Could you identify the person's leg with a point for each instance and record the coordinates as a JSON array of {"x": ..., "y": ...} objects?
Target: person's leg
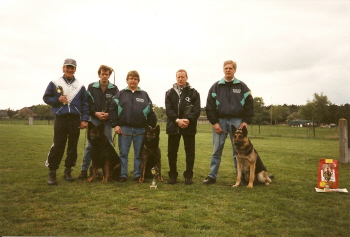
[
  {"x": 73, "y": 138},
  {"x": 173, "y": 148},
  {"x": 189, "y": 143},
  {"x": 137, "y": 141},
  {"x": 218, "y": 146},
  {"x": 124, "y": 143},
  {"x": 236, "y": 122}
]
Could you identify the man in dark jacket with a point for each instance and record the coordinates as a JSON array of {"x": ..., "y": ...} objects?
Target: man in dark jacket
[
  {"x": 100, "y": 96},
  {"x": 182, "y": 104},
  {"x": 69, "y": 103},
  {"x": 131, "y": 111},
  {"x": 229, "y": 103}
]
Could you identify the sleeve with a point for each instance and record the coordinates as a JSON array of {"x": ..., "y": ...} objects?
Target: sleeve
[
  {"x": 91, "y": 101},
  {"x": 210, "y": 108},
  {"x": 196, "y": 109},
  {"x": 113, "y": 111},
  {"x": 151, "y": 117},
  {"x": 50, "y": 96},
  {"x": 248, "y": 110},
  {"x": 170, "y": 108},
  {"x": 85, "y": 105}
]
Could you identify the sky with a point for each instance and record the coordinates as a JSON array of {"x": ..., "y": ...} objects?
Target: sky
[{"x": 286, "y": 51}]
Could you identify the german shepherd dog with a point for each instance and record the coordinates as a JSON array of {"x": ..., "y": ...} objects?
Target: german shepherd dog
[
  {"x": 248, "y": 160},
  {"x": 102, "y": 153},
  {"x": 150, "y": 154}
]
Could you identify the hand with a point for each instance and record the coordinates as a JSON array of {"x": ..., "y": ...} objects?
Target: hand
[
  {"x": 217, "y": 128},
  {"x": 183, "y": 123},
  {"x": 118, "y": 130},
  {"x": 63, "y": 99},
  {"x": 242, "y": 125},
  {"x": 101, "y": 115},
  {"x": 83, "y": 125}
]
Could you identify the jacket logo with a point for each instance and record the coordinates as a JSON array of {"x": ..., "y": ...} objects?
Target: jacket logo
[
  {"x": 236, "y": 90},
  {"x": 188, "y": 99},
  {"x": 140, "y": 100}
]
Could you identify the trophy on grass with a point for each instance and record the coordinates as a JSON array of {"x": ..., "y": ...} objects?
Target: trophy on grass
[
  {"x": 155, "y": 172},
  {"x": 327, "y": 175},
  {"x": 59, "y": 89}
]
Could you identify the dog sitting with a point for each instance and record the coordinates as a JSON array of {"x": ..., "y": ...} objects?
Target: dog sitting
[
  {"x": 150, "y": 154},
  {"x": 102, "y": 154},
  {"x": 248, "y": 160}
]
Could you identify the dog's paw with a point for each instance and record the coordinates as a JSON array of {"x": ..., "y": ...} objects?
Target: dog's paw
[
  {"x": 235, "y": 185},
  {"x": 267, "y": 183},
  {"x": 250, "y": 186},
  {"x": 160, "y": 179}
]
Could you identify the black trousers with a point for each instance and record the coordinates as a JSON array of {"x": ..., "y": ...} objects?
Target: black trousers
[
  {"x": 173, "y": 147},
  {"x": 66, "y": 127}
]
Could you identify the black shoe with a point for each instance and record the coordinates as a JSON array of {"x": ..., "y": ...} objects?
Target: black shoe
[
  {"x": 188, "y": 181},
  {"x": 67, "y": 175},
  {"x": 137, "y": 179},
  {"x": 209, "y": 180},
  {"x": 122, "y": 180},
  {"x": 172, "y": 181},
  {"x": 52, "y": 178},
  {"x": 83, "y": 174},
  {"x": 272, "y": 176}
]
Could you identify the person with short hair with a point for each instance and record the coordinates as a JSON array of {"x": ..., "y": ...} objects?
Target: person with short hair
[
  {"x": 131, "y": 111},
  {"x": 100, "y": 96},
  {"x": 229, "y": 102},
  {"x": 69, "y": 102},
  {"x": 182, "y": 106}
]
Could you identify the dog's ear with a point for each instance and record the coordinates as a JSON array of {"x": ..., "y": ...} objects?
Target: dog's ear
[
  {"x": 90, "y": 125},
  {"x": 157, "y": 129},
  {"x": 233, "y": 128},
  {"x": 101, "y": 127},
  {"x": 245, "y": 131}
]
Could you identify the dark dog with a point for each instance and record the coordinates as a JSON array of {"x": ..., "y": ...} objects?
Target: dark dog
[
  {"x": 102, "y": 154},
  {"x": 248, "y": 160},
  {"x": 150, "y": 154}
]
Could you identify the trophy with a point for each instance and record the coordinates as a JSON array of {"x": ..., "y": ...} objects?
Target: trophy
[
  {"x": 59, "y": 89},
  {"x": 155, "y": 172},
  {"x": 327, "y": 175}
]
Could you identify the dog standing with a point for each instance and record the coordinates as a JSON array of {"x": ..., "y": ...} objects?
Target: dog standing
[
  {"x": 150, "y": 154},
  {"x": 248, "y": 160},
  {"x": 102, "y": 153}
]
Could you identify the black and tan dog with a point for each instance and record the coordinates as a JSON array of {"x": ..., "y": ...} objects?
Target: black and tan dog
[
  {"x": 249, "y": 162},
  {"x": 150, "y": 154},
  {"x": 102, "y": 154}
]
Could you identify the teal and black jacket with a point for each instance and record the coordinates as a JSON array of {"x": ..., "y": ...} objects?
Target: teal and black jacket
[
  {"x": 99, "y": 101},
  {"x": 230, "y": 100},
  {"x": 132, "y": 109}
]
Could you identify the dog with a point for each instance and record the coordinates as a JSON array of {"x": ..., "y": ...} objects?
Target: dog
[
  {"x": 248, "y": 160},
  {"x": 150, "y": 154},
  {"x": 103, "y": 154}
]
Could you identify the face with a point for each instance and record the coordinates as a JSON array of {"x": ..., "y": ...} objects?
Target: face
[
  {"x": 181, "y": 79},
  {"x": 133, "y": 82},
  {"x": 229, "y": 71},
  {"x": 104, "y": 76},
  {"x": 69, "y": 71}
]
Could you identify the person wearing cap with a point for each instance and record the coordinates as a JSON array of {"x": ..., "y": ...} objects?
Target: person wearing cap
[
  {"x": 100, "y": 96},
  {"x": 69, "y": 102},
  {"x": 229, "y": 102},
  {"x": 182, "y": 105},
  {"x": 131, "y": 111}
]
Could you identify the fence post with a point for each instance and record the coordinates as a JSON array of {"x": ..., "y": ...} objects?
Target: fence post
[{"x": 343, "y": 142}]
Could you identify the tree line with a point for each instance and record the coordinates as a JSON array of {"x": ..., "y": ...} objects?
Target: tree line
[{"x": 319, "y": 110}]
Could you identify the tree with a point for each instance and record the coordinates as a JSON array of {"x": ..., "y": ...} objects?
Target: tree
[
  {"x": 260, "y": 113},
  {"x": 43, "y": 111},
  {"x": 25, "y": 113},
  {"x": 160, "y": 112},
  {"x": 10, "y": 113}
]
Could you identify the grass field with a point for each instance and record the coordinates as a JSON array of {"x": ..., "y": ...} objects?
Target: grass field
[{"x": 288, "y": 207}]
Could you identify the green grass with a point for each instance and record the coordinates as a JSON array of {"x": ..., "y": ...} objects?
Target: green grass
[{"x": 288, "y": 207}]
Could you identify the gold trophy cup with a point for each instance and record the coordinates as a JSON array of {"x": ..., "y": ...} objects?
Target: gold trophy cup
[
  {"x": 327, "y": 175},
  {"x": 59, "y": 89},
  {"x": 155, "y": 172}
]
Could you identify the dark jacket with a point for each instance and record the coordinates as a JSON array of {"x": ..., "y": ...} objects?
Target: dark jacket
[
  {"x": 132, "y": 109},
  {"x": 187, "y": 105},
  {"x": 230, "y": 100},
  {"x": 76, "y": 95},
  {"x": 99, "y": 101}
]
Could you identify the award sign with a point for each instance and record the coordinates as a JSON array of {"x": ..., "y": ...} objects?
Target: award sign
[{"x": 155, "y": 172}]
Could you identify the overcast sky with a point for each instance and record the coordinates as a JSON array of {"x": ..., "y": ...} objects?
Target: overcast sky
[{"x": 285, "y": 50}]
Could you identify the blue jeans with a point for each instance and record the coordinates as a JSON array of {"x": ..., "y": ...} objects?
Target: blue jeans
[
  {"x": 124, "y": 142},
  {"x": 219, "y": 142},
  {"x": 108, "y": 133}
]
